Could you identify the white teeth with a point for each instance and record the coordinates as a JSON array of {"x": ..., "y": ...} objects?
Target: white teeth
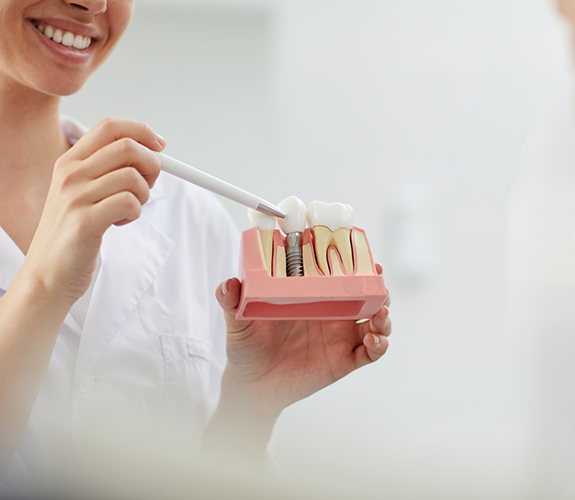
[
  {"x": 294, "y": 221},
  {"x": 262, "y": 221},
  {"x": 78, "y": 42},
  {"x": 331, "y": 226},
  {"x": 332, "y": 215},
  {"x": 68, "y": 39},
  {"x": 57, "y": 36}
]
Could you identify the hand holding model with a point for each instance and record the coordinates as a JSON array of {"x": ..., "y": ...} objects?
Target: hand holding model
[{"x": 272, "y": 364}]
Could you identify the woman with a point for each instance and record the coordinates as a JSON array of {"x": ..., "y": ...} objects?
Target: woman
[{"x": 111, "y": 331}]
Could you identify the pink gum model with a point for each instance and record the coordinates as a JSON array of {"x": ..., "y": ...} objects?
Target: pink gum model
[{"x": 355, "y": 296}]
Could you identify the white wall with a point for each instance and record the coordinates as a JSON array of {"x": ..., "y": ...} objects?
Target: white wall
[{"x": 352, "y": 101}]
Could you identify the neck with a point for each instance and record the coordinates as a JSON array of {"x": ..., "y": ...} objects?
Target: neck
[{"x": 30, "y": 138}]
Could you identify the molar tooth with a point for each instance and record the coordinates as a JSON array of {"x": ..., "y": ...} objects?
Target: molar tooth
[
  {"x": 78, "y": 42},
  {"x": 88, "y": 42},
  {"x": 266, "y": 224},
  {"x": 331, "y": 226},
  {"x": 49, "y": 31},
  {"x": 40, "y": 28},
  {"x": 57, "y": 36},
  {"x": 68, "y": 39}
]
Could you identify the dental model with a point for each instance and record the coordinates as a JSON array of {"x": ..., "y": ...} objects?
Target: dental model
[
  {"x": 331, "y": 226},
  {"x": 266, "y": 225},
  {"x": 339, "y": 281},
  {"x": 293, "y": 225}
]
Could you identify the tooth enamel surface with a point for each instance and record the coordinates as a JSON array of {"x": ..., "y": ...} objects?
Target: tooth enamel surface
[
  {"x": 331, "y": 226},
  {"x": 330, "y": 215},
  {"x": 262, "y": 221},
  {"x": 78, "y": 42},
  {"x": 294, "y": 221},
  {"x": 67, "y": 39}
]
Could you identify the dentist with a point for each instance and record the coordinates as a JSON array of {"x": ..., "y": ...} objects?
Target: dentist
[{"x": 109, "y": 330}]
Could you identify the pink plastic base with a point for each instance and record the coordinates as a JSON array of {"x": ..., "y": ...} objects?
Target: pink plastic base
[{"x": 308, "y": 297}]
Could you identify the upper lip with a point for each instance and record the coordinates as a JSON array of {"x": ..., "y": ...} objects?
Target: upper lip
[{"x": 68, "y": 25}]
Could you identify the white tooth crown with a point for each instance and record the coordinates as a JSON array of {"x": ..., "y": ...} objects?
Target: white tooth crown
[
  {"x": 68, "y": 39},
  {"x": 331, "y": 215},
  {"x": 294, "y": 221},
  {"x": 262, "y": 221}
]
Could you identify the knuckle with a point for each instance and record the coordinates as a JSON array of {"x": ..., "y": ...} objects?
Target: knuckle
[
  {"x": 107, "y": 123},
  {"x": 130, "y": 176},
  {"x": 126, "y": 145},
  {"x": 130, "y": 203}
]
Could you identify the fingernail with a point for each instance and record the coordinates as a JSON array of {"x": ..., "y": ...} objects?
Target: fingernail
[
  {"x": 225, "y": 288},
  {"x": 386, "y": 309},
  {"x": 376, "y": 339},
  {"x": 161, "y": 140}
]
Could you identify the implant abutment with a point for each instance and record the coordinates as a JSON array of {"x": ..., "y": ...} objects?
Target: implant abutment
[{"x": 294, "y": 256}]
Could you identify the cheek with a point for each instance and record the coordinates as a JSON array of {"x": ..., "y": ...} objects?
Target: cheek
[{"x": 119, "y": 16}]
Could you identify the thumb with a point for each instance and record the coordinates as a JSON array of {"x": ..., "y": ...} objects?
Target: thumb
[{"x": 228, "y": 295}]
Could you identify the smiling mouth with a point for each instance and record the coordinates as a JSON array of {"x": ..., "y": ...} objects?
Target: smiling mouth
[{"x": 66, "y": 38}]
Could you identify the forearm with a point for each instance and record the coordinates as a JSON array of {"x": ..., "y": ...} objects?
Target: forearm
[
  {"x": 237, "y": 433},
  {"x": 30, "y": 319}
]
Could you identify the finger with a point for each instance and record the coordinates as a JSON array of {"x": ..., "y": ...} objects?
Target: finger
[
  {"x": 119, "y": 208},
  {"x": 228, "y": 295},
  {"x": 123, "y": 179},
  {"x": 373, "y": 347},
  {"x": 378, "y": 268},
  {"x": 111, "y": 130},
  {"x": 379, "y": 324},
  {"x": 123, "y": 153}
]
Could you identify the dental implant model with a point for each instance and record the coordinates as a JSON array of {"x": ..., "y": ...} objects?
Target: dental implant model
[
  {"x": 293, "y": 225},
  {"x": 332, "y": 258}
]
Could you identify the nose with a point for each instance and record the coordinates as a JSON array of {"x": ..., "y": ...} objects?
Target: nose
[{"x": 93, "y": 7}]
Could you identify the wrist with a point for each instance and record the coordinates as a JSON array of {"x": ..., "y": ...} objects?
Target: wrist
[{"x": 33, "y": 290}]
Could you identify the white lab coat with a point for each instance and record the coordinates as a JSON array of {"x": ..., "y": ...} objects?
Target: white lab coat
[{"x": 147, "y": 366}]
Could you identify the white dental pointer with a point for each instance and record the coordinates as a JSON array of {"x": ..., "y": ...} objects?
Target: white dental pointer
[{"x": 223, "y": 188}]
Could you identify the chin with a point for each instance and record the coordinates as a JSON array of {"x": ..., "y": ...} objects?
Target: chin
[{"x": 60, "y": 88}]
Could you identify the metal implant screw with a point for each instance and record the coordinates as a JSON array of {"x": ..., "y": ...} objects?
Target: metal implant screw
[{"x": 294, "y": 257}]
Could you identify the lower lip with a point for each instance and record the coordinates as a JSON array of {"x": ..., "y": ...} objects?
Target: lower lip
[{"x": 68, "y": 54}]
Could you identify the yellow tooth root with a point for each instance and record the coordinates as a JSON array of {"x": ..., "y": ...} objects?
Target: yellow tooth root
[
  {"x": 323, "y": 238},
  {"x": 342, "y": 239},
  {"x": 321, "y": 242},
  {"x": 267, "y": 240}
]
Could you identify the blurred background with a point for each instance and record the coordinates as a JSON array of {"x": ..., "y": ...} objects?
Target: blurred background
[{"x": 417, "y": 113}]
